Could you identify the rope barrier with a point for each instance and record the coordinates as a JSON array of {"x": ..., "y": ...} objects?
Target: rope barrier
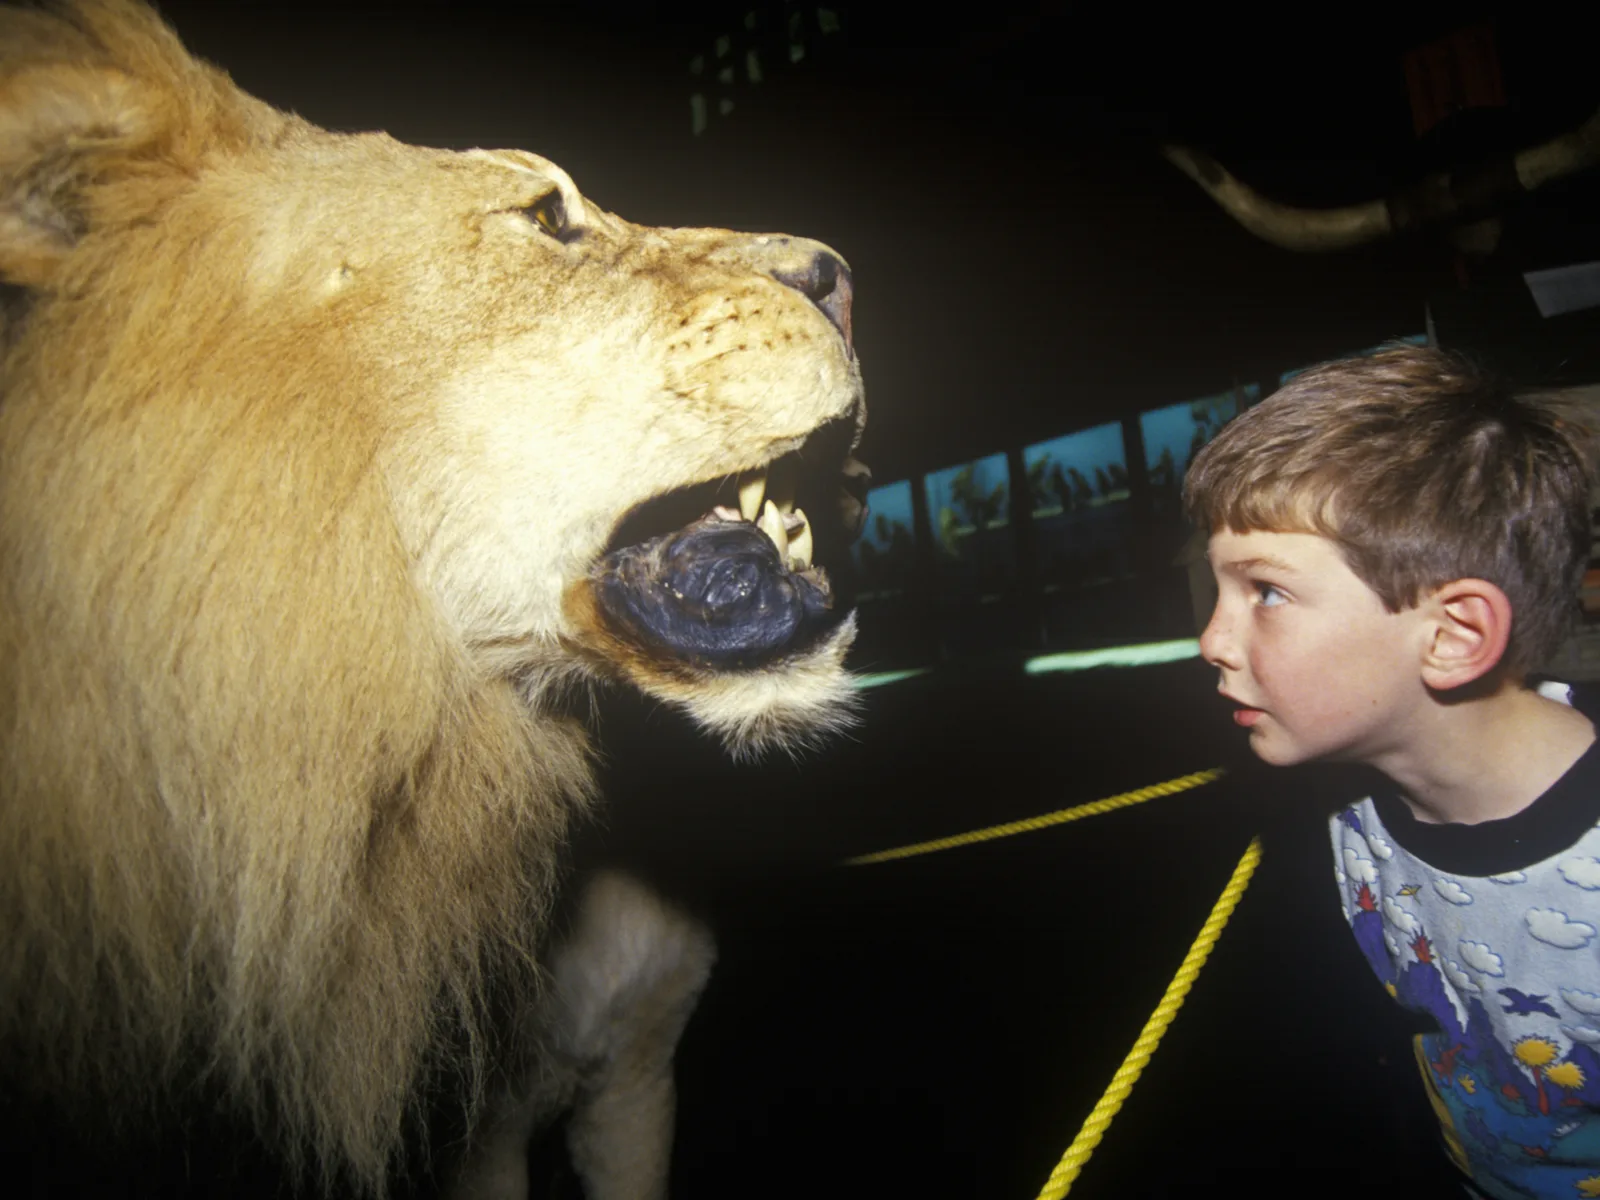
[
  {"x": 1072, "y": 1162},
  {"x": 1122, "y": 1082},
  {"x": 1182, "y": 784}
]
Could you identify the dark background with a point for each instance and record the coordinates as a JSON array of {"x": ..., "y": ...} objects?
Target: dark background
[
  {"x": 1025, "y": 262},
  {"x": 1025, "y": 265}
]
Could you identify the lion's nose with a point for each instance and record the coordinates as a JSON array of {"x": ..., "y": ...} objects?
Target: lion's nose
[{"x": 825, "y": 281}]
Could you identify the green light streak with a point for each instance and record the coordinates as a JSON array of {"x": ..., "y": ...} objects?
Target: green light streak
[
  {"x": 1143, "y": 655},
  {"x": 1115, "y": 656},
  {"x": 878, "y": 679}
]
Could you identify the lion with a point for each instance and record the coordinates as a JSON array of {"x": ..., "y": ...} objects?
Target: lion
[{"x": 334, "y": 473}]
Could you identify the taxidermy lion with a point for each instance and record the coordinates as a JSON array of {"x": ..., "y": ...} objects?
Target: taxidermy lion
[{"x": 330, "y": 469}]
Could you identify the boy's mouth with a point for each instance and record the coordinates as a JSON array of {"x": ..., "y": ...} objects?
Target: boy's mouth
[{"x": 1243, "y": 714}]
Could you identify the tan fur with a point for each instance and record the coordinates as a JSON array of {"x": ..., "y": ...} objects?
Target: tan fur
[
  {"x": 625, "y": 978},
  {"x": 306, "y": 443}
]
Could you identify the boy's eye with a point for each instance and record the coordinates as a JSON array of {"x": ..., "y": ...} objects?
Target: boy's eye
[{"x": 1269, "y": 596}]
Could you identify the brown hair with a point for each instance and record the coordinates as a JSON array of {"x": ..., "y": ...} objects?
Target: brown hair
[{"x": 1422, "y": 469}]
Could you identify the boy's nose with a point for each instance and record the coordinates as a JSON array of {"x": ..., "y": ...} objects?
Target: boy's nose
[{"x": 1217, "y": 645}]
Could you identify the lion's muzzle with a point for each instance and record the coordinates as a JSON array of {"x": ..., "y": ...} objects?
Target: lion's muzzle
[{"x": 826, "y": 282}]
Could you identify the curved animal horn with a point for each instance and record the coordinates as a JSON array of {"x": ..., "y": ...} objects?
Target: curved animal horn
[{"x": 1467, "y": 194}]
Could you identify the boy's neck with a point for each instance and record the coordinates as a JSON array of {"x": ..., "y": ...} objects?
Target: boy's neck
[{"x": 1489, "y": 757}]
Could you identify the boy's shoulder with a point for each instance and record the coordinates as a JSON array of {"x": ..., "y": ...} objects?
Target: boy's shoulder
[
  {"x": 1566, "y": 813},
  {"x": 1581, "y": 695}
]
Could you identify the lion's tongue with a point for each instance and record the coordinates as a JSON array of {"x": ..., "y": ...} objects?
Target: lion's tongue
[{"x": 718, "y": 592}]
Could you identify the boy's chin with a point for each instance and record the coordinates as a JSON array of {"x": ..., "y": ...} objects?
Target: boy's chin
[{"x": 1276, "y": 751}]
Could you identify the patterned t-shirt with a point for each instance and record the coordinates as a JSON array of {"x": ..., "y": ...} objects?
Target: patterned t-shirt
[{"x": 1493, "y": 930}]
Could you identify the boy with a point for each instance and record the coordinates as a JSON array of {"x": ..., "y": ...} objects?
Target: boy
[{"x": 1397, "y": 542}]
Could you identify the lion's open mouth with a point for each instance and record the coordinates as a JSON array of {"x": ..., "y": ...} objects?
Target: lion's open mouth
[{"x": 734, "y": 582}]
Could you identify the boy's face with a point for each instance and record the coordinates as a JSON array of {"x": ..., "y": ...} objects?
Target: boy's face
[{"x": 1316, "y": 665}]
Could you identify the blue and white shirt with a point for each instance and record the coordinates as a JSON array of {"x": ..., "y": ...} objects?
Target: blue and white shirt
[{"x": 1493, "y": 931}]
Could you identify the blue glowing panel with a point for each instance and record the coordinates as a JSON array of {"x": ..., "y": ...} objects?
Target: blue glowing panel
[
  {"x": 1080, "y": 470},
  {"x": 969, "y": 508},
  {"x": 973, "y": 496},
  {"x": 885, "y": 553},
  {"x": 1081, "y": 522},
  {"x": 1416, "y": 339},
  {"x": 1173, "y": 436}
]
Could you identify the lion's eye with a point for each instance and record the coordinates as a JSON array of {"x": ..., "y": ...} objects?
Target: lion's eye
[{"x": 550, "y": 212}]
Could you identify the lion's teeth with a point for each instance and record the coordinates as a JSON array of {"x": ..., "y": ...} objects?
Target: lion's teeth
[
  {"x": 771, "y": 524},
  {"x": 800, "y": 543},
  {"x": 751, "y": 493},
  {"x": 723, "y": 512},
  {"x": 780, "y": 485}
]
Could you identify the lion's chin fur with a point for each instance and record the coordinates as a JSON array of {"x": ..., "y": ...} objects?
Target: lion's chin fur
[
  {"x": 792, "y": 710},
  {"x": 793, "y": 704}
]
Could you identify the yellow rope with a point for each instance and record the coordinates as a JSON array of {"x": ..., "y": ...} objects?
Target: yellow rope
[
  {"x": 1122, "y": 1082},
  {"x": 1133, "y": 1065},
  {"x": 1181, "y": 784}
]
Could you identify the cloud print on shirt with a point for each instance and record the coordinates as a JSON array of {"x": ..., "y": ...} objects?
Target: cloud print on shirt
[
  {"x": 1459, "y": 979},
  {"x": 1394, "y": 915},
  {"x": 1451, "y": 891},
  {"x": 1581, "y": 872},
  {"x": 1585, "y": 1002},
  {"x": 1482, "y": 959},
  {"x": 1358, "y": 869},
  {"x": 1554, "y": 928}
]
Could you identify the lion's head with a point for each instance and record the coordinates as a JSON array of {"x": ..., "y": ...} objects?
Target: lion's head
[
  {"x": 583, "y": 405},
  {"x": 325, "y": 461}
]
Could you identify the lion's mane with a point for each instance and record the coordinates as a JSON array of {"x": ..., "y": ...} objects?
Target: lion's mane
[{"x": 296, "y": 888}]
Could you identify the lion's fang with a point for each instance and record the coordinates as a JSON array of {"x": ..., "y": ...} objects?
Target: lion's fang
[
  {"x": 751, "y": 493},
  {"x": 771, "y": 524}
]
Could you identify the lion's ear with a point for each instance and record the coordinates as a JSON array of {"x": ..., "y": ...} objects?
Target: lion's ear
[{"x": 62, "y": 128}]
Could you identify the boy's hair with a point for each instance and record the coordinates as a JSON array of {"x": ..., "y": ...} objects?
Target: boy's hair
[{"x": 1422, "y": 469}]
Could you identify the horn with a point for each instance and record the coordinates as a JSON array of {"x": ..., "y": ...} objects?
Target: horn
[{"x": 1438, "y": 198}]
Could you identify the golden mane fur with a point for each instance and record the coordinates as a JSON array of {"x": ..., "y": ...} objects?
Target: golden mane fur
[{"x": 285, "y": 604}]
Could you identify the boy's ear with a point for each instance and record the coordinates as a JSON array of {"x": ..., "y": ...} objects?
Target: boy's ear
[{"x": 1469, "y": 624}]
